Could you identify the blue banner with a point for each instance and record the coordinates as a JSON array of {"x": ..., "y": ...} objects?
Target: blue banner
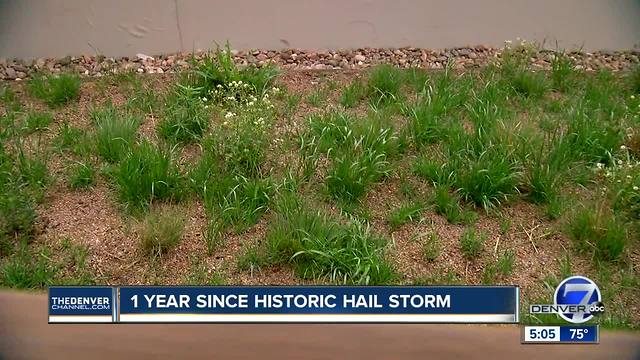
[
  {"x": 579, "y": 334},
  {"x": 419, "y": 304},
  {"x": 82, "y": 304}
]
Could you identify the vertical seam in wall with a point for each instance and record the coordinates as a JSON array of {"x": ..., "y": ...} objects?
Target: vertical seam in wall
[{"x": 175, "y": 3}]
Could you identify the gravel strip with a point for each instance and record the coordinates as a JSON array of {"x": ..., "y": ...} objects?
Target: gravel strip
[{"x": 463, "y": 57}]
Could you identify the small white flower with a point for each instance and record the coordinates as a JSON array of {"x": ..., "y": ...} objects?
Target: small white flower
[
  {"x": 635, "y": 188},
  {"x": 619, "y": 162},
  {"x": 628, "y": 176},
  {"x": 633, "y": 97},
  {"x": 229, "y": 115},
  {"x": 600, "y": 165},
  {"x": 204, "y": 99},
  {"x": 623, "y": 147}
]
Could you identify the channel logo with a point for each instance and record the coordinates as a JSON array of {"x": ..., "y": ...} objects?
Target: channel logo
[{"x": 577, "y": 299}]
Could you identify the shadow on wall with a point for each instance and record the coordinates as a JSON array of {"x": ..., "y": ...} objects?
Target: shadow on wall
[{"x": 55, "y": 28}]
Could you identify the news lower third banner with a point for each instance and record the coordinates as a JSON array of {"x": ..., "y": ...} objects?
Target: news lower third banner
[{"x": 285, "y": 304}]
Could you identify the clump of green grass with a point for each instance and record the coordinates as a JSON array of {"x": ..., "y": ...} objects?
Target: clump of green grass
[
  {"x": 359, "y": 150},
  {"x": 489, "y": 178},
  {"x": 147, "y": 174},
  {"x": 291, "y": 103},
  {"x": 472, "y": 242},
  {"x": 439, "y": 97},
  {"x": 217, "y": 70},
  {"x": 406, "y": 213},
  {"x": 115, "y": 133},
  {"x": 589, "y": 140},
  {"x": 17, "y": 213},
  {"x": 517, "y": 73},
  {"x": 82, "y": 175},
  {"x": 349, "y": 177},
  {"x": 252, "y": 260},
  {"x": 200, "y": 274},
  {"x": 144, "y": 98},
  {"x": 352, "y": 94},
  {"x": 418, "y": 78},
  {"x": 32, "y": 170},
  {"x": 598, "y": 232},
  {"x": 186, "y": 118},
  {"x": 546, "y": 160},
  {"x": 236, "y": 200},
  {"x": 28, "y": 269},
  {"x": 439, "y": 173},
  {"x": 22, "y": 183},
  {"x": 72, "y": 139},
  {"x": 161, "y": 231},
  {"x": 529, "y": 84},
  {"x": 505, "y": 263},
  {"x": 37, "y": 121},
  {"x": 383, "y": 85},
  {"x": 431, "y": 247},
  {"x": 448, "y": 205},
  {"x": 320, "y": 248},
  {"x": 10, "y": 100},
  {"x": 601, "y": 96},
  {"x": 55, "y": 90},
  {"x": 317, "y": 98},
  {"x": 562, "y": 72}
]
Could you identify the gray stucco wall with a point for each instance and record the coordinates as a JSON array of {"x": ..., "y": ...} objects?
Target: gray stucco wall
[{"x": 55, "y": 28}]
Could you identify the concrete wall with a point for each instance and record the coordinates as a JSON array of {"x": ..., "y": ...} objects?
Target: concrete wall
[{"x": 55, "y": 28}]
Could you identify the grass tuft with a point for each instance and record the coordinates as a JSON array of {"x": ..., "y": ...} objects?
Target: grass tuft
[
  {"x": 352, "y": 94},
  {"x": 472, "y": 242},
  {"x": 383, "y": 85},
  {"x": 406, "y": 213},
  {"x": 186, "y": 118},
  {"x": 147, "y": 174},
  {"x": 115, "y": 133},
  {"x": 599, "y": 233},
  {"x": 562, "y": 72},
  {"x": 320, "y": 248},
  {"x": 217, "y": 70},
  {"x": 37, "y": 121},
  {"x": 82, "y": 175},
  {"x": 161, "y": 231},
  {"x": 55, "y": 90}
]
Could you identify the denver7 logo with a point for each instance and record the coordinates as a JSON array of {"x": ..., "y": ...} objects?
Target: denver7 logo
[{"x": 581, "y": 291}]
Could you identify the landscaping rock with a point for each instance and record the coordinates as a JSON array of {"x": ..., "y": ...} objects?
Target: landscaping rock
[
  {"x": 463, "y": 57},
  {"x": 10, "y": 74},
  {"x": 65, "y": 61}
]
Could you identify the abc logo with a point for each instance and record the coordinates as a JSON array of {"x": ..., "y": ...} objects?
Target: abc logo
[
  {"x": 597, "y": 308},
  {"x": 580, "y": 291}
]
